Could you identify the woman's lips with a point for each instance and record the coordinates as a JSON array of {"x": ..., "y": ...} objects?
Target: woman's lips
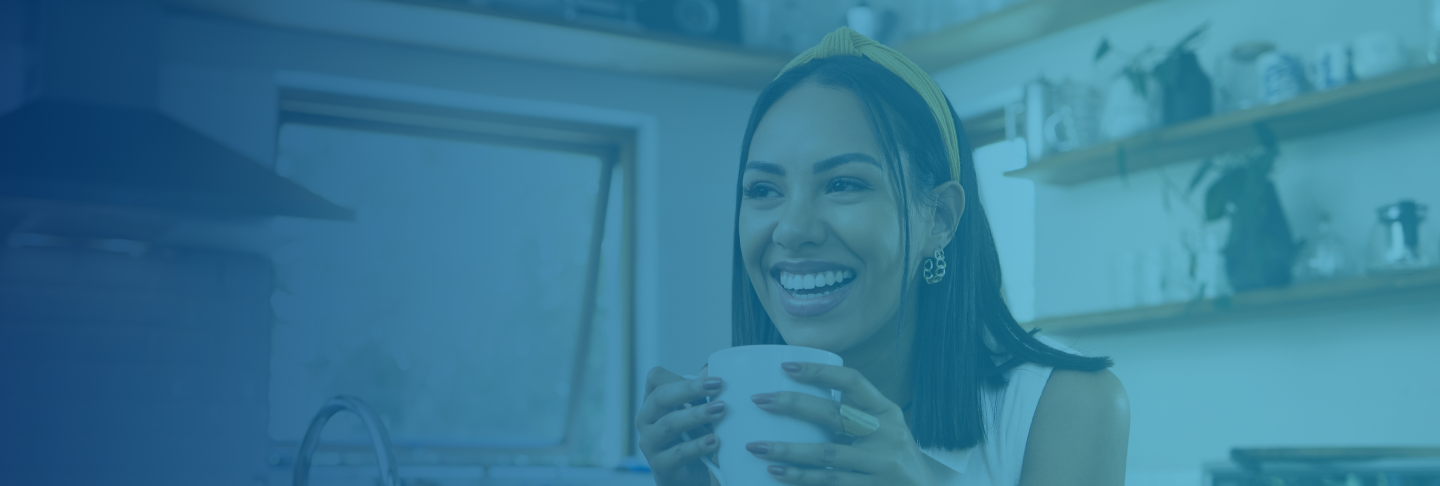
[{"x": 808, "y": 306}]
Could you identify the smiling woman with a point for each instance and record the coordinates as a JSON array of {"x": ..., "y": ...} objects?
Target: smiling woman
[{"x": 855, "y": 184}]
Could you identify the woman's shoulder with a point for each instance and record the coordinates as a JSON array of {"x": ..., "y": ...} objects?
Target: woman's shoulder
[
  {"x": 1070, "y": 396},
  {"x": 1091, "y": 389},
  {"x": 1080, "y": 389},
  {"x": 1028, "y": 419},
  {"x": 1096, "y": 398},
  {"x": 1081, "y": 429},
  {"x": 1074, "y": 393}
]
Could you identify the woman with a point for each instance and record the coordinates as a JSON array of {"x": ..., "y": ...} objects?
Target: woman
[{"x": 859, "y": 231}]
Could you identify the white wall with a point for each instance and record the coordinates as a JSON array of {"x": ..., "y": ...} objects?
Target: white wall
[{"x": 1337, "y": 375}]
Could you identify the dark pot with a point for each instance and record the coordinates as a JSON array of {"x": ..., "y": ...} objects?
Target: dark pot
[
  {"x": 1260, "y": 249},
  {"x": 1186, "y": 89}
]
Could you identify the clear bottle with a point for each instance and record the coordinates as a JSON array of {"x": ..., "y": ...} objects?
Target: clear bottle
[
  {"x": 1322, "y": 257},
  {"x": 1210, "y": 277}
]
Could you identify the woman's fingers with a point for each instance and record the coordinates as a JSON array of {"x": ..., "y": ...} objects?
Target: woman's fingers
[
  {"x": 667, "y": 430},
  {"x": 817, "y": 455},
  {"x": 667, "y": 394},
  {"x": 821, "y": 411},
  {"x": 853, "y": 386},
  {"x": 683, "y": 453},
  {"x": 826, "y": 477}
]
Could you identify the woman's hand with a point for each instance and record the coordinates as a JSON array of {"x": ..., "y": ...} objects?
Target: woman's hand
[
  {"x": 889, "y": 456},
  {"x": 674, "y": 405}
]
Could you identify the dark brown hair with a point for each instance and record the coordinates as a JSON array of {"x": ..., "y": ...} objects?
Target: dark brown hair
[{"x": 956, "y": 317}]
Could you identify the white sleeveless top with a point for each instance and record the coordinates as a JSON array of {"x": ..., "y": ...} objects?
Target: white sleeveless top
[{"x": 1008, "y": 413}]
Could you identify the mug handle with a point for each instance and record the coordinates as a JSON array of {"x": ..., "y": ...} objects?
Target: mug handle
[{"x": 1053, "y": 124}]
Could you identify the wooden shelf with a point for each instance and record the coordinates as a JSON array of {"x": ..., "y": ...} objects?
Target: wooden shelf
[
  {"x": 1372, "y": 289},
  {"x": 1399, "y": 94},
  {"x": 452, "y": 26},
  {"x": 1006, "y": 28}
]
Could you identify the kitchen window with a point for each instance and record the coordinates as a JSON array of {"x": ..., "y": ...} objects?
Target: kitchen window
[{"x": 479, "y": 301}]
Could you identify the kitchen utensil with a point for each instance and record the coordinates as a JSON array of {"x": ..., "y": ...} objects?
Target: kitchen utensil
[
  {"x": 1376, "y": 54},
  {"x": 1236, "y": 75},
  {"x": 1321, "y": 257},
  {"x": 1039, "y": 103},
  {"x": 1131, "y": 107},
  {"x": 1329, "y": 66},
  {"x": 1075, "y": 119},
  {"x": 1395, "y": 243},
  {"x": 1188, "y": 93},
  {"x": 1259, "y": 251},
  {"x": 1281, "y": 77},
  {"x": 1211, "y": 281}
]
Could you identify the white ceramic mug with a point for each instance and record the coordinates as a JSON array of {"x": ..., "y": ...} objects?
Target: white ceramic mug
[
  {"x": 1377, "y": 54},
  {"x": 748, "y": 370},
  {"x": 1127, "y": 112}
]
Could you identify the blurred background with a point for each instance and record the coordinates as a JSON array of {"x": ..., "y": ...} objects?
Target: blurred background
[{"x": 486, "y": 219}]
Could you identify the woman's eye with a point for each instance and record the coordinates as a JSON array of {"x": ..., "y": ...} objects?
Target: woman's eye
[
  {"x": 761, "y": 190},
  {"x": 845, "y": 184}
]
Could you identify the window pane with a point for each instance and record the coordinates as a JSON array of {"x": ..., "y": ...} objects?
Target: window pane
[{"x": 451, "y": 304}]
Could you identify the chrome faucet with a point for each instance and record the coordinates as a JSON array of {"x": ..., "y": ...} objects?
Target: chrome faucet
[{"x": 384, "y": 455}]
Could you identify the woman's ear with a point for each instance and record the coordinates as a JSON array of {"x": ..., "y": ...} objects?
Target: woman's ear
[{"x": 949, "y": 207}]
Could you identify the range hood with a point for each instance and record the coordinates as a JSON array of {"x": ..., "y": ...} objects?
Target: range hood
[{"x": 91, "y": 131}]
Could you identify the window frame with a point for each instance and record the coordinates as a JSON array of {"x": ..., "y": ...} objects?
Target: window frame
[{"x": 615, "y": 147}]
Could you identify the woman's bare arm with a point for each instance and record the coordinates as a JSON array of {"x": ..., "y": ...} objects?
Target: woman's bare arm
[{"x": 1080, "y": 433}]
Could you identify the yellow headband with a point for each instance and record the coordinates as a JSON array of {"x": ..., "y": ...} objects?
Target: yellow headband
[{"x": 847, "y": 42}]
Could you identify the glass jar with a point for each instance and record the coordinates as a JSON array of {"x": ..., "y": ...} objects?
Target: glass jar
[
  {"x": 1395, "y": 242},
  {"x": 1322, "y": 256}
]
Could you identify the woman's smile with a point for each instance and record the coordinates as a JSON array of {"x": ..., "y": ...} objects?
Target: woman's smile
[{"x": 811, "y": 287}]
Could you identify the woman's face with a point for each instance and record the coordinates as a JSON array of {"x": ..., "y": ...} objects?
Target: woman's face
[{"x": 819, "y": 223}]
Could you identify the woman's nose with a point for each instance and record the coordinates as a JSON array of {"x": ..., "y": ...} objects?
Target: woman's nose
[{"x": 799, "y": 225}]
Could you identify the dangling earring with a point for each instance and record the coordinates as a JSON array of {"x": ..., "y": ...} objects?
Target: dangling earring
[{"x": 935, "y": 267}]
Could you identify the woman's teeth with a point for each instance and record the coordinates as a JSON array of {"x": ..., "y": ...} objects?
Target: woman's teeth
[{"x": 814, "y": 280}]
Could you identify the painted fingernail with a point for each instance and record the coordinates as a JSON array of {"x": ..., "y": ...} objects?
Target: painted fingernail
[
  {"x": 792, "y": 367},
  {"x": 711, "y": 383},
  {"x": 759, "y": 448},
  {"x": 709, "y": 440},
  {"x": 715, "y": 408},
  {"x": 762, "y": 398},
  {"x": 776, "y": 470}
]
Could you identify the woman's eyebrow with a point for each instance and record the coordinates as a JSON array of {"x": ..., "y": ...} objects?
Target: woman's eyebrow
[
  {"x": 843, "y": 159},
  {"x": 763, "y": 166}
]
